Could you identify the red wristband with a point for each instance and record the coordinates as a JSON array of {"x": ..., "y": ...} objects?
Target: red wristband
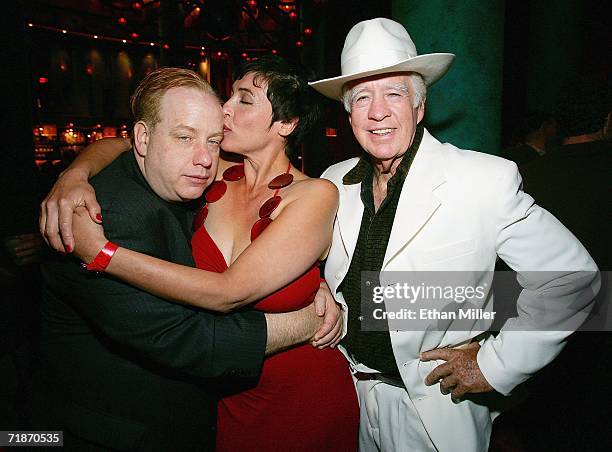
[{"x": 103, "y": 258}]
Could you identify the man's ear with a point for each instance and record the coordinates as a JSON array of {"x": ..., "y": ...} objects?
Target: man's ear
[
  {"x": 141, "y": 137},
  {"x": 286, "y": 127},
  {"x": 421, "y": 112}
]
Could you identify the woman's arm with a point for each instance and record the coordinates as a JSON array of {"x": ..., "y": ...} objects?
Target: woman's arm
[
  {"x": 295, "y": 240},
  {"x": 72, "y": 190},
  {"x": 98, "y": 155}
]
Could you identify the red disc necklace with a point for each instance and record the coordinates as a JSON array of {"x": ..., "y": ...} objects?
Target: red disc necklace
[{"x": 234, "y": 173}]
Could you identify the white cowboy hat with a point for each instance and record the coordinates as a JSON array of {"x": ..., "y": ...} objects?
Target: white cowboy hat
[{"x": 380, "y": 46}]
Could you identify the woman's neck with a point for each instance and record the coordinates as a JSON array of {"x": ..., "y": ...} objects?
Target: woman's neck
[{"x": 260, "y": 169}]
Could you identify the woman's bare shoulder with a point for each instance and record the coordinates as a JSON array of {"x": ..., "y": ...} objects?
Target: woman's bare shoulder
[{"x": 315, "y": 187}]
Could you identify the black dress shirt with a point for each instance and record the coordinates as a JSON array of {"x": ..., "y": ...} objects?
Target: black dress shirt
[{"x": 373, "y": 348}]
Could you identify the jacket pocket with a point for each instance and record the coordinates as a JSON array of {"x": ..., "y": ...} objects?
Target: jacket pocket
[{"x": 449, "y": 251}]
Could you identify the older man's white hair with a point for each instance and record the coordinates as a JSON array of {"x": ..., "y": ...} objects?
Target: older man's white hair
[{"x": 419, "y": 91}]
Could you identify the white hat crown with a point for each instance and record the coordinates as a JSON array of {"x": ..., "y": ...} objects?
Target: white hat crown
[
  {"x": 375, "y": 43},
  {"x": 380, "y": 46}
]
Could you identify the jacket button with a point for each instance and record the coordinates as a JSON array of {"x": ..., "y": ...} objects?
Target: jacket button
[{"x": 338, "y": 275}]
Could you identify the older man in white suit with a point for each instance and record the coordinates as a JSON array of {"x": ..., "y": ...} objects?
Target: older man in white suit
[{"x": 411, "y": 203}]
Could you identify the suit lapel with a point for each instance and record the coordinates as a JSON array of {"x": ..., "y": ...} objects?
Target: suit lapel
[
  {"x": 350, "y": 213},
  {"x": 418, "y": 201}
]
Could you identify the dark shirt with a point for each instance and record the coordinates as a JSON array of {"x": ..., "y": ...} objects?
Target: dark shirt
[{"x": 373, "y": 348}]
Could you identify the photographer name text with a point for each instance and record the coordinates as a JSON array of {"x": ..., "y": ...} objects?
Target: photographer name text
[{"x": 433, "y": 314}]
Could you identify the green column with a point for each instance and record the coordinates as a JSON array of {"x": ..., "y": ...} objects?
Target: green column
[{"x": 464, "y": 108}]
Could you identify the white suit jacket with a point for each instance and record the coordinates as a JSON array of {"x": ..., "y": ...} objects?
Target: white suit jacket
[{"x": 459, "y": 210}]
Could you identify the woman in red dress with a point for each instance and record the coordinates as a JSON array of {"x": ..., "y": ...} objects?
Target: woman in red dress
[{"x": 265, "y": 226}]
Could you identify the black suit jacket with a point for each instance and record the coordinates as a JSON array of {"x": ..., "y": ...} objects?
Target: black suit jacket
[{"x": 123, "y": 368}]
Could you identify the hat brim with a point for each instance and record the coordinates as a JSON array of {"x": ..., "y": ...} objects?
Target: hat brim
[{"x": 431, "y": 66}]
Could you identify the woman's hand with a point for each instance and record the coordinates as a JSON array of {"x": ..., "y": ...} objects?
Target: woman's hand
[
  {"x": 72, "y": 190},
  {"x": 89, "y": 236},
  {"x": 56, "y": 211}
]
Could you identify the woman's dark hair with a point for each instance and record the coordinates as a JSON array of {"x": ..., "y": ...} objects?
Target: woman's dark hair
[{"x": 289, "y": 94}]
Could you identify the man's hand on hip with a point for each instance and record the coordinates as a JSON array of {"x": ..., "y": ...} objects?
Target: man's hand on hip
[{"x": 460, "y": 374}]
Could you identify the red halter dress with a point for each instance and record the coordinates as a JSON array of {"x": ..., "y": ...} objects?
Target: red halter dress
[{"x": 305, "y": 399}]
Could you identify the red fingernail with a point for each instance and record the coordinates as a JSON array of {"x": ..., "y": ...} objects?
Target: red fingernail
[
  {"x": 98, "y": 217},
  {"x": 69, "y": 248}
]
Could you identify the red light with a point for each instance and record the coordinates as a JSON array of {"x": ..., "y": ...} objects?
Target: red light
[
  {"x": 299, "y": 43},
  {"x": 197, "y": 10},
  {"x": 137, "y": 5},
  {"x": 202, "y": 53},
  {"x": 135, "y": 35},
  {"x": 166, "y": 46},
  {"x": 63, "y": 67},
  {"x": 89, "y": 69},
  {"x": 244, "y": 55},
  {"x": 122, "y": 20},
  {"x": 307, "y": 31},
  {"x": 292, "y": 15},
  {"x": 43, "y": 80},
  {"x": 219, "y": 54},
  {"x": 274, "y": 51},
  {"x": 331, "y": 132},
  {"x": 252, "y": 3}
]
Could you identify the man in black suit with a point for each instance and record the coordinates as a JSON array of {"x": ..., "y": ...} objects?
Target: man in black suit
[{"x": 122, "y": 369}]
